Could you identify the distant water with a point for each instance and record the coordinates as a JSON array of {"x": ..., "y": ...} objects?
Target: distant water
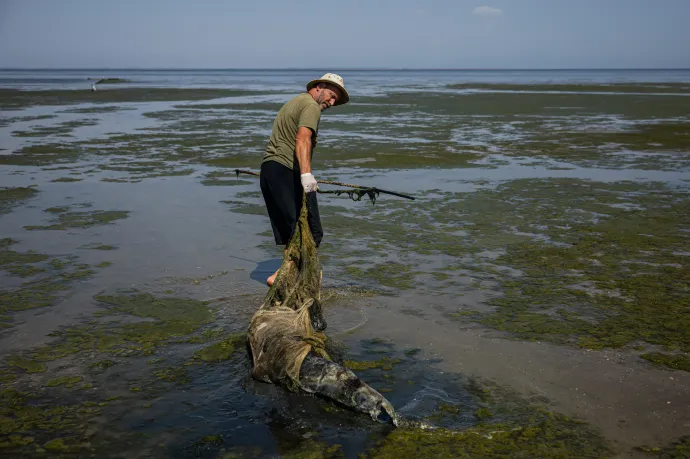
[{"x": 358, "y": 81}]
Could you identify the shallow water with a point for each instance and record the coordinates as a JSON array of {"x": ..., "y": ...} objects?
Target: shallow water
[{"x": 437, "y": 285}]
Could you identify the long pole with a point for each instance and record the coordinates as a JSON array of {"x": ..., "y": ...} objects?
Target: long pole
[{"x": 349, "y": 185}]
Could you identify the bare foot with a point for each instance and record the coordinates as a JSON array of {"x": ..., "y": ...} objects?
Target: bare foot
[{"x": 271, "y": 279}]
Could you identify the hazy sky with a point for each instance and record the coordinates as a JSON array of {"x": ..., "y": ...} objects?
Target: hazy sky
[{"x": 345, "y": 33}]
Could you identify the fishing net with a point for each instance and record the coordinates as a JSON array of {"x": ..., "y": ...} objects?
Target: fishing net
[{"x": 289, "y": 324}]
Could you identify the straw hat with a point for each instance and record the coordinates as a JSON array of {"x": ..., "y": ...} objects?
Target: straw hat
[{"x": 333, "y": 79}]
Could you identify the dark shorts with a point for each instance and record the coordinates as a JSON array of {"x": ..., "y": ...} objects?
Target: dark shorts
[{"x": 282, "y": 190}]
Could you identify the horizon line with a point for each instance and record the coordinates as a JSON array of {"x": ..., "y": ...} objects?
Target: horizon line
[{"x": 374, "y": 69}]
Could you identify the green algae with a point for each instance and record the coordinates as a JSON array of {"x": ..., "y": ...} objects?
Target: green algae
[
  {"x": 58, "y": 263},
  {"x": 396, "y": 275},
  {"x": 396, "y": 156},
  {"x": 242, "y": 207},
  {"x": 104, "y": 264},
  {"x": 44, "y": 154},
  {"x": 34, "y": 296},
  {"x": 657, "y": 88},
  {"x": 58, "y": 445},
  {"x": 175, "y": 375},
  {"x": 312, "y": 449},
  {"x": 67, "y": 381},
  {"x": 168, "y": 318},
  {"x": 460, "y": 315},
  {"x": 168, "y": 172},
  {"x": 483, "y": 413},
  {"x": 99, "y": 246},
  {"x": 20, "y": 414},
  {"x": 6, "y": 242},
  {"x": 9, "y": 259},
  {"x": 224, "y": 182},
  {"x": 165, "y": 309},
  {"x": 7, "y": 376},
  {"x": 557, "y": 437},
  {"x": 28, "y": 365},
  {"x": 12, "y": 197},
  {"x": 678, "y": 450},
  {"x": 240, "y": 453},
  {"x": 23, "y": 119},
  {"x": 115, "y": 180},
  {"x": 14, "y": 99},
  {"x": 449, "y": 408},
  {"x": 656, "y": 137},
  {"x": 412, "y": 352},
  {"x": 385, "y": 363},
  {"x": 57, "y": 210},
  {"x": 577, "y": 262},
  {"x": 97, "y": 109},
  {"x": 14, "y": 441},
  {"x": 440, "y": 276},
  {"x": 39, "y": 291},
  {"x": 210, "y": 440},
  {"x": 610, "y": 282},
  {"x": 234, "y": 161},
  {"x": 63, "y": 129},
  {"x": 545, "y": 126},
  {"x": 78, "y": 274},
  {"x": 677, "y": 362},
  {"x": 507, "y": 425},
  {"x": 207, "y": 335},
  {"x": 66, "y": 180},
  {"x": 221, "y": 350},
  {"x": 82, "y": 219},
  {"x": 141, "y": 168}
]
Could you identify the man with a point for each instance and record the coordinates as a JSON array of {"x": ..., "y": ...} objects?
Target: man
[{"x": 286, "y": 167}]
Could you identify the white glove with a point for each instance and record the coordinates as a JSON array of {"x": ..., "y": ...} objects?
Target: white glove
[{"x": 308, "y": 182}]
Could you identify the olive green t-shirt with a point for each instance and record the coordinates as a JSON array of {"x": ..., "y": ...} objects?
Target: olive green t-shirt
[{"x": 300, "y": 111}]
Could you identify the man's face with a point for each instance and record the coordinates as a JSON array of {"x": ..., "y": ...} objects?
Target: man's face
[{"x": 327, "y": 96}]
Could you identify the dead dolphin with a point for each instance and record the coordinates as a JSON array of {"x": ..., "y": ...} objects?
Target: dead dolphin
[
  {"x": 286, "y": 334},
  {"x": 327, "y": 378},
  {"x": 287, "y": 351}
]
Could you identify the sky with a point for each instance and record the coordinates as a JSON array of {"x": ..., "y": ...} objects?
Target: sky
[{"x": 534, "y": 34}]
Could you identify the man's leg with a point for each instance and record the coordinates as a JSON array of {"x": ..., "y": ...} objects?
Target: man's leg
[
  {"x": 314, "y": 218},
  {"x": 278, "y": 192}
]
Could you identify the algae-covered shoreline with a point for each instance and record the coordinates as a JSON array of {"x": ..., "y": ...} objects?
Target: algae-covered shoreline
[{"x": 550, "y": 224}]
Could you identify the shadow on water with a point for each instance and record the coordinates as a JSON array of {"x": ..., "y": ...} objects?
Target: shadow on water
[{"x": 264, "y": 269}]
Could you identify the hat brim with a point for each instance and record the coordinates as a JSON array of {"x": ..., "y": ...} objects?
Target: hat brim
[{"x": 342, "y": 100}]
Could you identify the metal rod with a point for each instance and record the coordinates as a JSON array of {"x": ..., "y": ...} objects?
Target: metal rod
[{"x": 350, "y": 185}]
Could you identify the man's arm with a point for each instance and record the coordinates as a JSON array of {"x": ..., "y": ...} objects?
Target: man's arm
[{"x": 303, "y": 149}]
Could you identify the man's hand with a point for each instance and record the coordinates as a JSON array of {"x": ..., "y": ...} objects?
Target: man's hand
[{"x": 308, "y": 182}]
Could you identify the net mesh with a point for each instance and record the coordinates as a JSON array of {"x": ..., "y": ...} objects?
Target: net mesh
[{"x": 280, "y": 333}]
